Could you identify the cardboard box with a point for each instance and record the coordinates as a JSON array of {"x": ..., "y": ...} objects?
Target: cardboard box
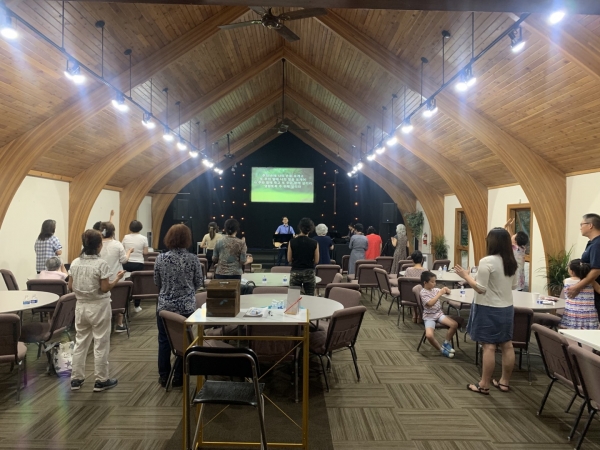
[{"x": 223, "y": 298}]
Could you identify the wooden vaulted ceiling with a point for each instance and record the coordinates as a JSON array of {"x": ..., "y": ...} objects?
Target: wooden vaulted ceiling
[{"x": 530, "y": 113}]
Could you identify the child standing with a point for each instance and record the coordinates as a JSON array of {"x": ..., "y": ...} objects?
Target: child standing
[
  {"x": 432, "y": 314},
  {"x": 580, "y": 312}
]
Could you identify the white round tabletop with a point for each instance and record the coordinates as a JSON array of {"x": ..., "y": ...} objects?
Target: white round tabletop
[
  {"x": 273, "y": 279},
  {"x": 11, "y": 301},
  {"x": 449, "y": 277},
  {"x": 318, "y": 307},
  {"x": 520, "y": 299}
]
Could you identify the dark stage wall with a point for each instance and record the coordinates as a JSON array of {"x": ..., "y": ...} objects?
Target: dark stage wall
[{"x": 221, "y": 197}]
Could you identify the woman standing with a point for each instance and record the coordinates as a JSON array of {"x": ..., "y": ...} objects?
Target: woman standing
[
  {"x": 115, "y": 256},
  {"x": 492, "y": 314},
  {"x": 399, "y": 242},
  {"x": 210, "y": 240},
  {"x": 138, "y": 244},
  {"x": 178, "y": 274},
  {"x": 230, "y": 253},
  {"x": 90, "y": 282},
  {"x": 47, "y": 245},
  {"x": 374, "y": 249},
  {"x": 325, "y": 243},
  {"x": 303, "y": 253},
  {"x": 358, "y": 246},
  {"x": 580, "y": 312}
]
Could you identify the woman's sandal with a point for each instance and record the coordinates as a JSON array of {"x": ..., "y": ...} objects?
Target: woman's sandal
[
  {"x": 478, "y": 389},
  {"x": 501, "y": 387}
]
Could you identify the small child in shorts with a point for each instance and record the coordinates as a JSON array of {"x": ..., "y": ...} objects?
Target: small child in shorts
[{"x": 432, "y": 314}]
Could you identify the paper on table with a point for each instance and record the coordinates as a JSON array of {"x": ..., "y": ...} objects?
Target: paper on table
[
  {"x": 292, "y": 297},
  {"x": 256, "y": 312}
]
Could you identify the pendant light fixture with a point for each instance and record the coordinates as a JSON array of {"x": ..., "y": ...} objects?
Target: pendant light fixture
[
  {"x": 73, "y": 72},
  {"x": 167, "y": 136},
  {"x": 119, "y": 102},
  {"x": 556, "y": 17},
  {"x": 516, "y": 40},
  {"x": 7, "y": 29}
]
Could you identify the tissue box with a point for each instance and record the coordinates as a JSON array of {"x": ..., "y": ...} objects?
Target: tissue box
[{"x": 223, "y": 298}]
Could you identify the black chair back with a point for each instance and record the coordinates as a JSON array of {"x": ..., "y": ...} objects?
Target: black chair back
[{"x": 222, "y": 362}]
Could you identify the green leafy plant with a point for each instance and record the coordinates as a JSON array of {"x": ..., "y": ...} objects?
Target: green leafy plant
[
  {"x": 556, "y": 271},
  {"x": 439, "y": 247},
  {"x": 415, "y": 221}
]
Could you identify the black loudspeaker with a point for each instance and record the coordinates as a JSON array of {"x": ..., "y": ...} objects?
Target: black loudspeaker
[
  {"x": 180, "y": 209},
  {"x": 389, "y": 213}
]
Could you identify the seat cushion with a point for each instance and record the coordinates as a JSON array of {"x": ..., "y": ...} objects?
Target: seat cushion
[
  {"x": 317, "y": 341},
  {"x": 394, "y": 282},
  {"x": 228, "y": 393},
  {"x": 35, "y": 332},
  {"x": 351, "y": 276},
  {"x": 354, "y": 281},
  {"x": 21, "y": 352},
  {"x": 395, "y": 291}
]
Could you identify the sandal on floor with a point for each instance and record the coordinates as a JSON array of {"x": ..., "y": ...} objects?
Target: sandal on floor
[
  {"x": 478, "y": 389},
  {"x": 501, "y": 387}
]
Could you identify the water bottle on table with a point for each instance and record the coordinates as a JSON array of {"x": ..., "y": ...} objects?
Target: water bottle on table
[{"x": 264, "y": 279}]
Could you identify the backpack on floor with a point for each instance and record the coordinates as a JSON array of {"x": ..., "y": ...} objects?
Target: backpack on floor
[{"x": 61, "y": 358}]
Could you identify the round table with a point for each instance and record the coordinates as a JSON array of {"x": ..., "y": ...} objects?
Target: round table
[
  {"x": 520, "y": 299},
  {"x": 11, "y": 301},
  {"x": 318, "y": 307},
  {"x": 448, "y": 277},
  {"x": 273, "y": 279}
]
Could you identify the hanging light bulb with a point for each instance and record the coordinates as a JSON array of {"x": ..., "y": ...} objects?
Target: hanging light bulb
[
  {"x": 466, "y": 79},
  {"x": 167, "y": 136},
  {"x": 73, "y": 72},
  {"x": 193, "y": 153},
  {"x": 7, "y": 30},
  {"x": 556, "y": 17},
  {"x": 380, "y": 150},
  {"x": 207, "y": 163},
  {"x": 359, "y": 166},
  {"x": 350, "y": 174},
  {"x": 516, "y": 40},
  {"x": 181, "y": 145},
  {"x": 147, "y": 121},
  {"x": 430, "y": 108},
  {"x": 371, "y": 156},
  {"x": 406, "y": 126},
  {"x": 392, "y": 141},
  {"x": 119, "y": 102}
]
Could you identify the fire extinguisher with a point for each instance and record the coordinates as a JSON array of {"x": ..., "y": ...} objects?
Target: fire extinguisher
[{"x": 424, "y": 238}]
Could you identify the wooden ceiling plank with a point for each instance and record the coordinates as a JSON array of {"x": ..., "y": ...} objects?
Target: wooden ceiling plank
[
  {"x": 21, "y": 154},
  {"x": 543, "y": 184},
  {"x": 162, "y": 200},
  {"x": 471, "y": 194},
  {"x": 133, "y": 194}
]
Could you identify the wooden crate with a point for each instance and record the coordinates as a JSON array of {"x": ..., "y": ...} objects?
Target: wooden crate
[{"x": 223, "y": 298}]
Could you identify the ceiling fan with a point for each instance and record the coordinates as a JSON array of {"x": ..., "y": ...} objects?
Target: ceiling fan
[
  {"x": 277, "y": 22},
  {"x": 283, "y": 127}
]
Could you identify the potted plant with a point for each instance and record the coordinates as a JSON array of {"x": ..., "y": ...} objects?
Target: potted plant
[
  {"x": 439, "y": 247},
  {"x": 557, "y": 271},
  {"x": 414, "y": 221}
]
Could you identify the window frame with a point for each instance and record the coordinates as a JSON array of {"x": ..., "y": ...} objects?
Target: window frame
[
  {"x": 457, "y": 231},
  {"x": 511, "y": 213}
]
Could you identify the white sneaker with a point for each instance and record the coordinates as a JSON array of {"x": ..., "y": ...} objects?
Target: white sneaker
[{"x": 137, "y": 308}]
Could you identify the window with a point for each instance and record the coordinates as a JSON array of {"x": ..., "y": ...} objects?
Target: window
[
  {"x": 461, "y": 239},
  {"x": 521, "y": 213}
]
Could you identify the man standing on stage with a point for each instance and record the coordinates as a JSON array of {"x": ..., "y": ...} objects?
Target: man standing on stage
[{"x": 283, "y": 229}]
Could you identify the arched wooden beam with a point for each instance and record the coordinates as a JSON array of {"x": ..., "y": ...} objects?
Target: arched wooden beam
[
  {"x": 471, "y": 194},
  {"x": 132, "y": 195},
  {"x": 431, "y": 199},
  {"x": 21, "y": 154},
  {"x": 544, "y": 185},
  {"x": 162, "y": 200},
  {"x": 580, "y": 45},
  {"x": 86, "y": 186}
]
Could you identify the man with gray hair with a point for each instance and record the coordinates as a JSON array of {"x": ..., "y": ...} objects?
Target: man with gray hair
[
  {"x": 590, "y": 228},
  {"x": 325, "y": 243},
  {"x": 54, "y": 270}
]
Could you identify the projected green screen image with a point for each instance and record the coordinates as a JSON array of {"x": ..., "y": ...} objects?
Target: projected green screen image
[{"x": 282, "y": 185}]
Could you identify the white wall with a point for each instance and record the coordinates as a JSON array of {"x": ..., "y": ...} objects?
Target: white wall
[
  {"x": 106, "y": 201},
  {"x": 36, "y": 200},
  {"x": 583, "y": 196},
  {"x": 498, "y": 200},
  {"x": 144, "y": 215}
]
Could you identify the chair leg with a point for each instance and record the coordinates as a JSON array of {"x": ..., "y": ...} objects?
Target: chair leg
[
  {"x": 571, "y": 402},
  {"x": 528, "y": 366},
  {"x": 324, "y": 373},
  {"x": 577, "y": 419},
  {"x": 170, "y": 378},
  {"x": 355, "y": 359},
  {"x": 391, "y": 304},
  {"x": 261, "y": 418},
  {"x": 520, "y": 358},
  {"x": 126, "y": 324},
  {"x": 19, "y": 370},
  {"x": 371, "y": 295},
  {"x": 546, "y": 398},
  {"x": 379, "y": 302},
  {"x": 584, "y": 432},
  {"x": 39, "y": 350},
  {"x": 421, "y": 341}
]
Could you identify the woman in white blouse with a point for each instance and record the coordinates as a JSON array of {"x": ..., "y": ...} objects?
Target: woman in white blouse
[{"x": 492, "y": 315}]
